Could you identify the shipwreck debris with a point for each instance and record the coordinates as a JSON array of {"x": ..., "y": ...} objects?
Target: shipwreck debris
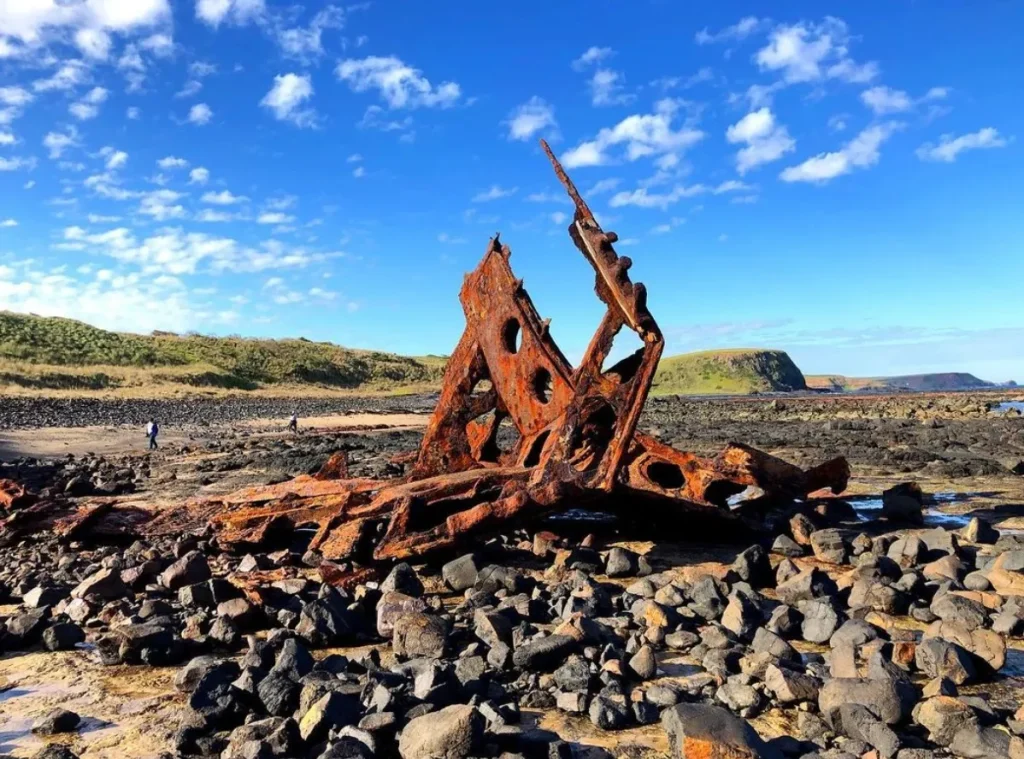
[{"x": 577, "y": 435}]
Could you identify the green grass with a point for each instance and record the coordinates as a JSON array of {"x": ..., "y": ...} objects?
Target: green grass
[
  {"x": 55, "y": 353},
  {"x": 47, "y": 355},
  {"x": 731, "y": 371}
]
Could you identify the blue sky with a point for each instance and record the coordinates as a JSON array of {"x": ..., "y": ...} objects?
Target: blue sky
[{"x": 845, "y": 187}]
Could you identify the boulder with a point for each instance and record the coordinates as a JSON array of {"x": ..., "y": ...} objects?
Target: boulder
[
  {"x": 697, "y": 731},
  {"x": 450, "y": 733}
]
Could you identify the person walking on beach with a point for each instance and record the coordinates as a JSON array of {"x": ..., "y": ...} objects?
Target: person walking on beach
[
  {"x": 152, "y": 430},
  {"x": 293, "y": 423}
]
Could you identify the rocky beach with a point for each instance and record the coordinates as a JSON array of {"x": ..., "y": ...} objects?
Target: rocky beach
[{"x": 881, "y": 623}]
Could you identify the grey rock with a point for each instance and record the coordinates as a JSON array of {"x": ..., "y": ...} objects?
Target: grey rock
[{"x": 450, "y": 733}]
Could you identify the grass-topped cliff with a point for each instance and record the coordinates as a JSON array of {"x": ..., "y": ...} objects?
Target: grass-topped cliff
[
  {"x": 736, "y": 371},
  {"x": 45, "y": 353}
]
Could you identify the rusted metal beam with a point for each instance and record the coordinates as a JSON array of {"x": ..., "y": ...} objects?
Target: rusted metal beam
[{"x": 575, "y": 429}]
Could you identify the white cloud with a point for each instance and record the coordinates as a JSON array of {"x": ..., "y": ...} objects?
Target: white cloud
[
  {"x": 950, "y": 147},
  {"x": 738, "y": 31},
  {"x": 447, "y": 239},
  {"x": 160, "y": 45},
  {"x": 559, "y": 217},
  {"x": 647, "y": 135},
  {"x": 88, "y": 107},
  {"x": 191, "y": 87},
  {"x": 274, "y": 217},
  {"x": 885, "y": 100},
  {"x": 6, "y": 138},
  {"x": 116, "y": 159},
  {"x": 71, "y": 74},
  {"x": 200, "y": 114},
  {"x": 495, "y": 192},
  {"x": 162, "y": 205},
  {"x": 358, "y": 172},
  {"x": 765, "y": 140},
  {"x": 223, "y": 198},
  {"x": 642, "y": 198},
  {"x": 172, "y": 162},
  {"x": 606, "y": 88},
  {"x": 15, "y": 97},
  {"x": 547, "y": 197},
  {"x": 199, "y": 175},
  {"x": 58, "y": 142},
  {"x": 199, "y": 69},
  {"x": 591, "y": 56},
  {"x": 286, "y": 98},
  {"x": 305, "y": 43},
  {"x": 94, "y": 43},
  {"x": 13, "y": 164},
  {"x": 810, "y": 52},
  {"x": 861, "y": 152},
  {"x": 8, "y": 223},
  {"x": 209, "y": 215},
  {"x": 354, "y": 158},
  {"x": 132, "y": 113},
  {"x": 534, "y": 116},
  {"x": 214, "y": 12},
  {"x": 603, "y": 186},
  {"x": 95, "y": 218},
  {"x": 399, "y": 85}
]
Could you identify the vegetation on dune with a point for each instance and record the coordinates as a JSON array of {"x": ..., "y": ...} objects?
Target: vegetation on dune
[
  {"x": 39, "y": 352},
  {"x": 736, "y": 371}
]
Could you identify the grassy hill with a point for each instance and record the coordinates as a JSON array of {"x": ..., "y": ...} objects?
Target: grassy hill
[
  {"x": 727, "y": 372},
  {"x": 918, "y": 382},
  {"x": 62, "y": 354}
]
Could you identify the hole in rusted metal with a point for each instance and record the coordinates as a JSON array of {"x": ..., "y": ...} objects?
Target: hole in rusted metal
[
  {"x": 533, "y": 457},
  {"x": 666, "y": 475},
  {"x": 720, "y": 491},
  {"x": 592, "y": 436},
  {"x": 618, "y": 363},
  {"x": 482, "y": 387},
  {"x": 542, "y": 385},
  {"x": 511, "y": 336}
]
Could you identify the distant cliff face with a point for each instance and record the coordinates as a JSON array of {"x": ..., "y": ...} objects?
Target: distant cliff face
[
  {"x": 728, "y": 372},
  {"x": 943, "y": 381}
]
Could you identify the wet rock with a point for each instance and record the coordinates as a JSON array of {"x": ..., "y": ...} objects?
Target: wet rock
[
  {"x": 907, "y": 551},
  {"x": 786, "y": 546},
  {"x": 699, "y": 730},
  {"x": 190, "y": 569},
  {"x": 791, "y": 687},
  {"x": 621, "y": 562},
  {"x": 889, "y": 700},
  {"x": 279, "y": 694},
  {"x": 808, "y": 585},
  {"x": 643, "y": 663},
  {"x": 544, "y": 652},
  {"x": 936, "y": 657},
  {"x": 333, "y": 710},
  {"x": 609, "y": 711},
  {"x": 784, "y": 621},
  {"x": 801, "y": 528},
  {"x": 943, "y": 717},
  {"x": 966, "y": 612},
  {"x": 63, "y": 636},
  {"x": 821, "y": 620},
  {"x": 104, "y": 585},
  {"x": 975, "y": 742},
  {"x": 56, "y": 722},
  {"x": 742, "y": 616},
  {"x": 753, "y": 566},
  {"x": 450, "y": 733},
  {"x": 978, "y": 531},
  {"x": 461, "y": 573},
  {"x": 403, "y": 579},
  {"x": 903, "y": 503},
  {"x": 419, "y": 635},
  {"x": 829, "y": 546},
  {"x": 858, "y": 722}
]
